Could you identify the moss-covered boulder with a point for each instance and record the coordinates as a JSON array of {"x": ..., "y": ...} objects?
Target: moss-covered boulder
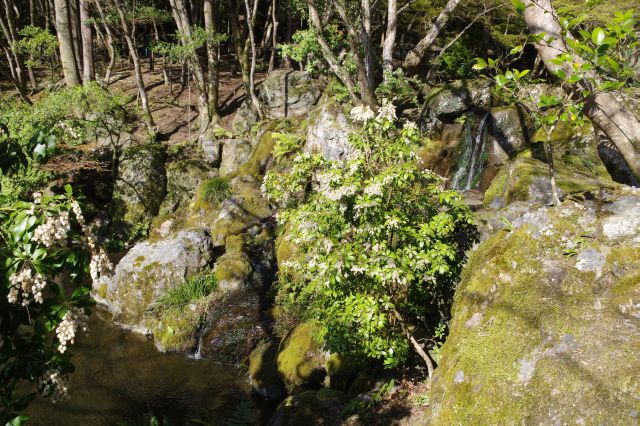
[
  {"x": 233, "y": 269},
  {"x": 147, "y": 271},
  {"x": 318, "y": 408},
  {"x": 183, "y": 178},
  {"x": 527, "y": 179},
  {"x": 263, "y": 371},
  {"x": 235, "y": 152},
  {"x": 302, "y": 358},
  {"x": 140, "y": 184},
  {"x": 546, "y": 320}
]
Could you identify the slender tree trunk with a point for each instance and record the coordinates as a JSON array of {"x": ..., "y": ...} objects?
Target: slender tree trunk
[
  {"x": 8, "y": 24},
  {"x": 133, "y": 53},
  {"x": 88, "y": 71},
  {"x": 181, "y": 17},
  {"x": 241, "y": 47},
  {"x": 274, "y": 34},
  {"x": 606, "y": 112},
  {"x": 415, "y": 56},
  {"x": 110, "y": 43},
  {"x": 390, "y": 36},
  {"x": 32, "y": 22},
  {"x": 252, "y": 72},
  {"x": 365, "y": 37},
  {"x": 65, "y": 42},
  {"x": 328, "y": 54},
  {"x": 165, "y": 74},
  {"x": 74, "y": 22},
  {"x": 212, "y": 59}
]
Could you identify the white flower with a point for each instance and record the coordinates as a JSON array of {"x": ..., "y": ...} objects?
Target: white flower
[
  {"x": 53, "y": 230},
  {"x": 361, "y": 113},
  {"x": 54, "y": 383},
  {"x": 100, "y": 265},
  {"x": 374, "y": 189},
  {"x": 357, "y": 269},
  {"x": 26, "y": 286},
  {"x": 387, "y": 111},
  {"x": 74, "y": 319},
  {"x": 393, "y": 223},
  {"x": 410, "y": 125}
]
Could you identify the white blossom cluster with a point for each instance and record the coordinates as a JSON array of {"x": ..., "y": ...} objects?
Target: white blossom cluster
[
  {"x": 25, "y": 285},
  {"x": 361, "y": 113},
  {"x": 100, "y": 265},
  {"x": 64, "y": 126},
  {"x": 55, "y": 383},
  {"x": 387, "y": 111},
  {"x": 374, "y": 189},
  {"x": 53, "y": 230},
  {"x": 74, "y": 319}
]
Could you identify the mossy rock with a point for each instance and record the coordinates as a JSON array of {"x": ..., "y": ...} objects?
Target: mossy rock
[
  {"x": 176, "y": 330},
  {"x": 233, "y": 269},
  {"x": 302, "y": 357},
  {"x": 263, "y": 371},
  {"x": 545, "y": 323},
  {"x": 183, "y": 179},
  {"x": 318, "y": 408},
  {"x": 527, "y": 179}
]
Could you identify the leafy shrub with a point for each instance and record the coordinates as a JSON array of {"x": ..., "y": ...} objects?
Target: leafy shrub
[
  {"x": 286, "y": 143},
  {"x": 399, "y": 88},
  {"x": 190, "y": 290},
  {"x": 39, "y": 44},
  {"x": 457, "y": 61},
  {"x": 377, "y": 240},
  {"x": 215, "y": 190}
]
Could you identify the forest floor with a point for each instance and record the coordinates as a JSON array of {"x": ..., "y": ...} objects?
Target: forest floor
[{"x": 174, "y": 108}]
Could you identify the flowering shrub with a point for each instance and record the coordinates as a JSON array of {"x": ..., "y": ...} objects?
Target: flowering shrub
[
  {"x": 40, "y": 242},
  {"x": 376, "y": 240}
]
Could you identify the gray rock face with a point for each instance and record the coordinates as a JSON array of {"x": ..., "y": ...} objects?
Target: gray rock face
[
  {"x": 140, "y": 185},
  {"x": 245, "y": 118},
  {"x": 508, "y": 129},
  {"x": 211, "y": 148},
  {"x": 625, "y": 218},
  {"x": 328, "y": 133},
  {"x": 147, "y": 271},
  {"x": 288, "y": 93},
  {"x": 183, "y": 178},
  {"x": 235, "y": 152}
]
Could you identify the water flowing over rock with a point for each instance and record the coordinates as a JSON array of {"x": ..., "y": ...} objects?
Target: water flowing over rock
[
  {"x": 147, "y": 271},
  {"x": 545, "y": 320},
  {"x": 140, "y": 184}
]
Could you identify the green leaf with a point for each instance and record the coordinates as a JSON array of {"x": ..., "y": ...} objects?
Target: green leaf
[
  {"x": 518, "y": 5},
  {"x": 480, "y": 64},
  {"x": 597, "y": 36},
  {"x": 40, "y": 150}
]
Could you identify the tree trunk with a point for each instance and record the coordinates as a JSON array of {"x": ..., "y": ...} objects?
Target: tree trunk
[
  {"x": 328, "y": 54},
  {"x": 274, "y": 34},
  {"x": 252, "y": 71},
  {"x": 65, "y": 42},
  {"x": 181, "y": 17},
  {"x": 212, "y": 59},
  {"x": 110, "y": 43},
  {"x": 88, "y": 72},
  {"x": 415, "y": 56},
  {"x": 390, "y": 36},
  {"x": 8, "y": 24},
  {"x": 603, "y": 109},
  {"x": 133, "y": 53},
  {"x": 74, "y": 23}
]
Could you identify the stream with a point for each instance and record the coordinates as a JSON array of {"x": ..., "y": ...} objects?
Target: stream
[{"x": 122, "y": 379}]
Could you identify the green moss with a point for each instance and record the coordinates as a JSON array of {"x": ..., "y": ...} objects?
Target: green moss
[
  {"x": 176, "y": 329},
  {"x": 301, "y": 358}
]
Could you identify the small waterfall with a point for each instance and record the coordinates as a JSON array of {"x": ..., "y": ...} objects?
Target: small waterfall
[{"x": 471, "y": 160}]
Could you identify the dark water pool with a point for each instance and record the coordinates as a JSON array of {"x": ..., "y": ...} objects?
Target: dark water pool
[{"x": 121, "y": 378}]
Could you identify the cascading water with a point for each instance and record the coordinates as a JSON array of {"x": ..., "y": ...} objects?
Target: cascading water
[{"x": 471, "y": 160}]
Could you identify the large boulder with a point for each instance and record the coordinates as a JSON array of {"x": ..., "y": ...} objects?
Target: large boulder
[
  {"x": 140, "y": 184},
  {"x": 263, "y": 371},
  {"x": 546, "y": 320},
  {"x": 211, "y": 147},
  {"x": 328, "y": 131},
  {"x": 311, "y": 408},
  {"x": 183, "y": 178},
  {"x": 147, "y": 271},
  {"x": 245, "y": 118},
  {"x": 508, "y": 131},
  {"x": 235, "y": 152},
  {"x": 287, "y": 93}
]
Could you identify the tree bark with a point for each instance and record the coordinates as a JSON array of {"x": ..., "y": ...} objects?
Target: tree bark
[
  {"x": 390, "y": 36},
  {"x": 415, "y": 56},
  {"x": 8, "y": 24},
  {"x": 274, "y": 34},
  {"x": 65, "y": 42},
  {"x": 212, "y": 60},
  {"x": 110, "y": 43},
  {"x": 133, "y": 53},
  {"x": 252, "y": 71},
  {"x": 604, "y": 110},
  {"x": 88, "y": 71}
]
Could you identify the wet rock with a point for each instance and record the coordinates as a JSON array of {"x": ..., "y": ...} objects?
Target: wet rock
[
  {"x": 328, "y": 132},
  {"x": 508, "y": 130},
  {"x": 287, "y": 93},
  {"x": 263, "y": 371},
  {"x": 140, "y": 184},
  {"x": 321, "y": 408},
  {"x": 147, "y": 271},
  {"x": 235, "y": 152}
]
